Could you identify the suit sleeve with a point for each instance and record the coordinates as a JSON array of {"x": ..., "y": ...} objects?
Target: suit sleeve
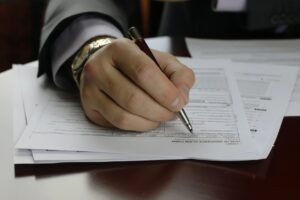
[
  {"x": 263, "y": 14},
  {"x": 60, "y": 14}
]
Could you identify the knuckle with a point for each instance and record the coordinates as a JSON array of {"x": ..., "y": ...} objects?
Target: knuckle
[
  {"x": 190, "y": 76},
  {"x": 125, "y": 41},
  {"x": 168, "y": 117},
  {"x": 90, "y": 115},
  {"x": 121, "y": 121},
  {"x": 132, "y": 100},
  {"x": 170, "y": 96},
  {"x": 172, "y": 57},
  {"x": 152, "y": 126},
  {"x": 142, "y": 71},
  {"x": 89, "y": 69},
  {"x": 118, "y": 45},
  {"x": 86, "y": 94},
  {"x": 164, "y": 116},
  {"x": 96, "y": 118}
]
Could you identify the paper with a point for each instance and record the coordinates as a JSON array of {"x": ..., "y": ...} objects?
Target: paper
[
  {"x": 163, "y": 44},
  {"x": 279, "y": 52},
  {"x": 72, "y": 156},
  {"x": 55, "y": 126},
  {"x": 30, "y": 91},
  {"x": 265, "y": 96},
  {"x": 265, "y": 90},
  {"x": 21, "y": 156},
  {"x": 279, "y": 82},
  {"x": 33, "y": 92}
]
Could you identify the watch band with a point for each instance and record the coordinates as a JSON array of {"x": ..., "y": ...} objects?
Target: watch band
[{"x": 85, "y": 52}]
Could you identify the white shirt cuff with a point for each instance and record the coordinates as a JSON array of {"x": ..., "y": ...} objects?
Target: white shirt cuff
[
  {"x": 230, "y": 5},
  {"x": 73, "y": 37}
]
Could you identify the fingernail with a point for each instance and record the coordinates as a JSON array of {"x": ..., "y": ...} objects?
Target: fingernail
[{"x": 186, "y": 91}]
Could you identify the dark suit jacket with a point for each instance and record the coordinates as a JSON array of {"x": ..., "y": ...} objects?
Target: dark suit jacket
[{"x": 192, "y": 18}]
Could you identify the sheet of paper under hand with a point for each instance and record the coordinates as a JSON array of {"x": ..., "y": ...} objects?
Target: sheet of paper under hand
[
  {"x": 220, "y": 125},
  {"x": 244, "y": 74},
  {"x": 265, "y": 90}
]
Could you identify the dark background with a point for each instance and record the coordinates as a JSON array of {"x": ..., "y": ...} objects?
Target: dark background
[
  {"x": 21, "y": 22},
  {"x": 20, "y": 27}
]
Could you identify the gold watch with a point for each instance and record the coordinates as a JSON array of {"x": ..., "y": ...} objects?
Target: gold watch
[{"x": 85, "y": 52}]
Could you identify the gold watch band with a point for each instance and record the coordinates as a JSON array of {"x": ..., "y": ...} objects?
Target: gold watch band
[{"x": 85, "y": 52}]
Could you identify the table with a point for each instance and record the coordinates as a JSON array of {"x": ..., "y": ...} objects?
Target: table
[{"x": 277, "y": 177}]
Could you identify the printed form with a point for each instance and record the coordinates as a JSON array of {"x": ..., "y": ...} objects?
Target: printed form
[
  {"x": 216, "y": 111},
  {"x": 279, "y": 52},
  {"x": 265, "y": 91}
]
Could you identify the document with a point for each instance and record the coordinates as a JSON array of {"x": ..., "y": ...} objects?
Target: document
[
  {"x": 218, "y": 117},
  {"x": 33, "y": 93},
  {"x": 279, "y": 52},
  {"x": 265, "y": 90}
]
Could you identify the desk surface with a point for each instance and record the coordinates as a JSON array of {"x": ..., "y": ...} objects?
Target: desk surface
[{"x": 277, "y": 177}]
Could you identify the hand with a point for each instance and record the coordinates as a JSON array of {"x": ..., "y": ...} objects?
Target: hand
[{"x": 120, "y": 86}]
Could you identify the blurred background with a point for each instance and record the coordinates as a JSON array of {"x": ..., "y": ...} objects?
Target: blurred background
[
  {"x": 20, "y": 27},
  {"x": 21, "y": 22}
]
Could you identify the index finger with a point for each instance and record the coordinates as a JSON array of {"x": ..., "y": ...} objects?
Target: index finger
[{"x": 143, "y": 71}]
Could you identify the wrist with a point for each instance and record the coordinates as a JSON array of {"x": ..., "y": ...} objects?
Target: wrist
[{"x": 85, "y": 52}]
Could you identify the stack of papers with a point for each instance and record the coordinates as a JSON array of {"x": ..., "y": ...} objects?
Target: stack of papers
[
  {"x": 236, "y": 110},
  {"x": 276, "y": 52}
]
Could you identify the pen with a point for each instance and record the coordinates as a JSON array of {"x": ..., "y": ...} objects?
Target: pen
[{"x": 140, "y": 42}]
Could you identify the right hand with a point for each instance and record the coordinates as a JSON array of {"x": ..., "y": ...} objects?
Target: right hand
[{"x": 122, "y": 87}]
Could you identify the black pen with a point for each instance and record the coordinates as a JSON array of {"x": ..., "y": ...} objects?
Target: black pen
[{"x": 140, "y": 42}]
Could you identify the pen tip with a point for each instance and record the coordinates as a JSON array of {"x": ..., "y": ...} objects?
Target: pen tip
[{"x": 190, "y": 128}]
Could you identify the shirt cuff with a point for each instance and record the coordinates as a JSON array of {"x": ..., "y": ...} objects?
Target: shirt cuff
[
  {"x": 229, "y": 5},
  {"x": 73, "y": 37}
]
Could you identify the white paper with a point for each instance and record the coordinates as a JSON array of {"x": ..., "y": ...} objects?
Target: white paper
[
  {"x": 55, "y": 126},
  {"x": 67, "y": 156},
  {"x": 28, "y": 91},
  {"x": 263, "y": 138},
  {"x": 280, "y": 52},
  {"x": 21, "y": 156},
  {"x": 265, "y": 97},
  {"x": 265, "y": 90},
  {"x": 163, "y": 44}
]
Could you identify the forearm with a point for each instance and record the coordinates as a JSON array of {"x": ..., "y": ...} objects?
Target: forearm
[
  {"x": 72, "y": 38},
  {"x": 60, "y": 14}
]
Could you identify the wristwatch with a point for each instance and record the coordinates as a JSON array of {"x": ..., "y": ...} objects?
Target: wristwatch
[{"x": 85, "y": 52}]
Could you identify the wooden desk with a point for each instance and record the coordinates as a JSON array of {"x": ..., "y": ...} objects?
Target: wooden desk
[{"x": 278, "y": 177}]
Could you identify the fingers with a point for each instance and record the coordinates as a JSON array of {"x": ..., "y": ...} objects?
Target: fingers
[
  {"x": 94, "y": 116},
  {"x": 130, "y": 97},
  {"x": 143, "y": 72},
  {"x": 179, "y": 74},
  {"x": 122, "y": 87},
  {"x": 114, "y": 114}
]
